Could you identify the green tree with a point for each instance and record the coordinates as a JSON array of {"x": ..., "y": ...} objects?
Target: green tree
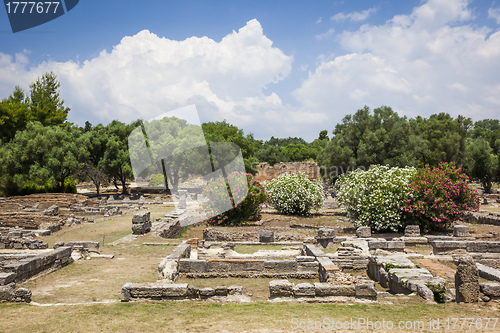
[
  {"x": 364, "y": 139},
  {"x": 222, "y": 131},
  {"x": 482, "y": 162},
  {"x": 298, "y": 152},
  {"x": 271, "y": 155},
  {"x": 94, "y": 141},
  {"x": 323, "y": 135},
  {"x": 45, "y": 103},
  {"x": 444, "y": 138},
  {"x": 39, "y": 156},
  {"x": 14, "y": 113},
  {"x": 116, "y": 159}
]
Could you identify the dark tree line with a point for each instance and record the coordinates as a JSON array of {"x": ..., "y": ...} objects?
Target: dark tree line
[{"x": 41, "y": 151}]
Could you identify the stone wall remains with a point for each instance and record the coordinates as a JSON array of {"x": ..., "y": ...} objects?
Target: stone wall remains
[{"x": 268, "y": 172}]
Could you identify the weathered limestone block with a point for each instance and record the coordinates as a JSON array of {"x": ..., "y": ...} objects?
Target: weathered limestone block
[
  {"x": 326, "y": 233},
  {"x": 412, "y": 231},
  {"x": 483, "y": 247},
  {"x": 364, "y": 232},
  {"x": 365, "y": 289},
  {"x": 266, "y": 236},
  {"x": 424, "y": 292},
  {"x": 221, "y": 291},
  {"x": 326, "y": 268},
  {"x": 387, "y": 245},
  {"x": 305, "y": 258},
  {"x": 307, "y": 266},
  {"x": 141, "y": 217},
  {"x": 443, "y": 246},
  {"x": 491, "y": 289},
  {"x": 280, "y": 266},
  {"x": 177, "y": 290},
  {"x": 183, "y": 250},
  {"x": 85, "y": 245},
  {"x": 280, "y": 288},
  {"x": 327, "y": 289},
  {"x": 168, "y": 269},
  {"x": 461, "y": 231},
  {"x": 235, "y": 290},
  {"x": 488, "y": 273},
  {"x": 125, "y": 292},
  {"x": 51, "y": 211},
  {"x": 7, "y": 278},
  {"x": 304, "y": 290},
  {"x": 193, "y": 266},
  {"x": 207, "y": 292},
  {"x": 193, "y": 292},
  {"x": 467, "y": 280},
  {"x": 7, "y": 292},
  {"x": 313, "y": 251}
]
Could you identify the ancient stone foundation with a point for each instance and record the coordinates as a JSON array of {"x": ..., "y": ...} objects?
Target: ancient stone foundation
[
  {"x": 174, "y": 291},
  {"x": 284, "y": 288},
  {"x": 28, "y": 267}
]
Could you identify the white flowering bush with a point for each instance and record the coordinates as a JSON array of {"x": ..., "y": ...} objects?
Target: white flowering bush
[
  {"x": 373, "y": 198},
  {"x": 295, "y": 194}
]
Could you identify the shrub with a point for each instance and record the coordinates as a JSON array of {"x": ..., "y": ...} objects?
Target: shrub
[
  {"x": 373, "y": 198},
  {"x": 439, "y": 196},
  {"x": 157, "y": 180},
  {"x": 248, "y": 202},
  {"x": 295, "y": 194}
]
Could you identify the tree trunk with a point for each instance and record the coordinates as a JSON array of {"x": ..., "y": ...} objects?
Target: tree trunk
[
  {"x": 124, "y": 185},
  {"x": 165, "y": 178},
  {"x": 486, "y": 182}
]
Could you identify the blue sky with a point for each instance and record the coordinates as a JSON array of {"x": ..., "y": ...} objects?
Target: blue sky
[{"x": 282, "y": 68}]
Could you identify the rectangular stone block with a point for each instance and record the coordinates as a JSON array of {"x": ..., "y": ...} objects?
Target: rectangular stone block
[
  {"x": 280, "y": 288},
  {"x": 141, "y": 217},
  {"x": 440, "y": 246},
  {"x": 313, "y": 251},
  {"x": 483, "y": 247},
  {"x": 221, "y": 291},
  {"x": 235, "y": 290},
  {"x": 327, "y": 289},
  {"x": 280, "y": 266},
  {"x": 207, "y": 292},
  {"x": 365, "y": 289},
  {"x": 304, "y": 290},
  {"x": 461, "y": 231},
  {"x": 218, "y": 266},
  {"x": 183, "y": 250},
  {"x": 308, "y": 266},
  {"x": 6, "y": 278},
  {"x": 266, "y": 236},
  {"x": 412, "y": 231},
  {"x": 305, "y": 259},
  {"x": 87, "y": 245},
  {"x": 175, "y": 290},
  {"x": 326, "y": 233},
  {"x": 364, "y": 232},
  {"x": 491, "y": 289},
  {"x": 488, "y": 273}
]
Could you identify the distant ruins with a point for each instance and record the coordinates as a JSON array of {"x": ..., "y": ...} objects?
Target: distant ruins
[{"x": 267, "y": 172}]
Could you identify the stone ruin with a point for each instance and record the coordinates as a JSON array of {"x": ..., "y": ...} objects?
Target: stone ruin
[
  {"x": 141, "y": 223},
  {"x": 267, "y": 172}
]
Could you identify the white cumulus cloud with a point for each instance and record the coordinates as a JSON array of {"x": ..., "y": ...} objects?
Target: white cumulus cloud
[
  {"x": 354, "y": 16},
  {"x": 146, "y": 75},
  {"x": 434, "y": 60},
  {"x": 494, "y": 13}
]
